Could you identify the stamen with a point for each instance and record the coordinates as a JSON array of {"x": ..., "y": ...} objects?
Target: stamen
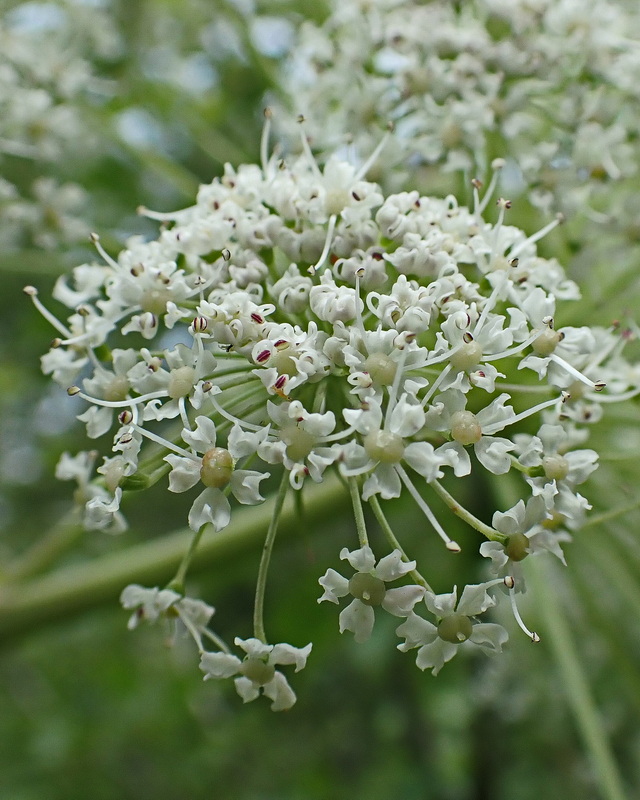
[
  {"x": 514, "y": 350},
  {"x": 165, "y": 443},
  {"x": 393, "y": 392},
  {"x": 490, "y": 304},
  {"x": 535, "y": 237},
  {"x": 223, "y": 413},
  {"x": 306, "y": 149},
  {"x": 374, "y": 156},
  {"x": 434, "y": 386},
  {"x": 327, "y": 245},
  {"x": 74, "y": 391},
  {"x": 531, "y": 634},
  {"x": 597, "y": 386},
  {"x": 503, "y": 206},
  {"x": 497, "y": 164},
  {"x": 454, "y": 547},
  {"x": 264, "y": 140},
  {"x": 489, "y": 430},
  {"x": 95, "y": 239},
  {"x": 32, "y": 292}
]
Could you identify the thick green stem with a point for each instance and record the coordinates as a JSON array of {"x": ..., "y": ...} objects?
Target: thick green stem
[
  {"x": 486, "y": 530},
  {"x": 586, "y": 714},
  {"x": 75, "y": 589},
  {"x": 393, "y": 541},
  {"x": 263, "y": 571},
  {"x": 358, "y": 512}
]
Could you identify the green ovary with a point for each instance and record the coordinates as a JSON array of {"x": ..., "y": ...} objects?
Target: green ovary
[
  {"x": 181, "y": 381},
  {"x": 455, "y": 628},
  {"x": 384, "y": 446},
  {"x": 217, "y": 468},
  {"x": 257, "y": 671},
  {"x": 367, "y": 588}
]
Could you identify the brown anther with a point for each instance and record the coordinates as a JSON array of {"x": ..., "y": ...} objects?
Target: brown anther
[
  {"x": 534, "y": 637},
  {"x": 509, "y": 581},
  {"x": 514, "y": 262},
  {"x": 356, "y": 196},
  {"x": 391, "y": 126},
  {"x": 300, "y": 119},
  {"x": 125, "y": 417},
  {"x": 280, "y": 382},
  {"x": 55, "y": 343},
  {"x": 476, "y": 183},
  {"x": 467, "y": 337},
  {"x": 503, "y": 203},
  {"x": 377, "y": 256},
  {"x": 94, "y": 238},
  {"x": 263, "y": 356},
  {"x": 282, "y": 344},
  {"x": 207, "y": 386},
  {"x": 73, "y": 390},
  {"x": 83, "y": 311},
  {"x": 226, "y": 254},
  {"x": 599, "y": 386},
  {"x": 126, "y": 439},
  {"x": 200, "y": 324},
  {"x": 257, "y": 318},
  {"x": 268, "y": 112}
]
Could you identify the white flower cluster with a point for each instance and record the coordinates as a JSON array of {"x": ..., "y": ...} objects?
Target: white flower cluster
[
  {"x": 46, "y": 82},
  {"x": 297, "y": 320},
  {"x": 550, "y": 84}
]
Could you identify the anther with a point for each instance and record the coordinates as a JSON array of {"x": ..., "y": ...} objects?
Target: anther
[
  {"x": 599, "y": 386},
  {"x": 263, "y": 356},
  {"x": 200, "y": 324},
  {"x": 55, "y": 343},
  {"x": 125, "y": 417},
  {"x": 226, "y": 254},
  {"x": 30, "y": 291},
  {"x": 467, "y": 337},
  {"x": 509, "y": 581},
  {"x": 73, "y": 390},
  {"x": 502, "y": 203},
  {"x": 207, "y": 386}
]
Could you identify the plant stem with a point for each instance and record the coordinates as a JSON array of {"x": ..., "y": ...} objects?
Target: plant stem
[
  {"x": 263, "y": 571},
  {"x": 358, "y": 512},
  {"x": 75, "y": 589}
]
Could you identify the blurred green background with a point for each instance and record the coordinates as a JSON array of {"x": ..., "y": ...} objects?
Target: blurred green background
[{"x": 90, "y": 710}]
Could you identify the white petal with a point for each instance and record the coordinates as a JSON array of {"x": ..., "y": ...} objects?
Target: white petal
[
  {"x": 253, "y": 647},
  {"x": 441, "y": 604},
  {"x": 489, "y": 636},
  {"x": 454, "y": 454},
  {"x": 245, "y": 486},
  {"x": 492, "y": 453},
  {"x": 185, "y": 472},
  {"x": 416, "y": 631},
  {"x": 422, "y": 457},
  {"x": 401, "y": 600},
  {"x": 383, "y": 481},
  {"x": 210, "y": 506},
  {"x": 278, "y": 690},
  {"x": 334, "y": 586},
  {"x": 362, "y": 560},
  {"x": 357, "y": 618},
  {"x": 219, "y": 665},
  {"x": 287, "y": 654},
  {"x": 435, "y": 655},
  {"x": 203, "y": 438},
  {"x": 406, "y": 418},
  {"x": 474, "y": 600},
  {"x": 392, "y": 567},
  {"x": 247, "y": 689}
]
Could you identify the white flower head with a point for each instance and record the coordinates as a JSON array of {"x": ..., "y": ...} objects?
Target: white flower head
[
  {"x": 368, "y": 589},
  {"x": 257, "y": 670}
]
